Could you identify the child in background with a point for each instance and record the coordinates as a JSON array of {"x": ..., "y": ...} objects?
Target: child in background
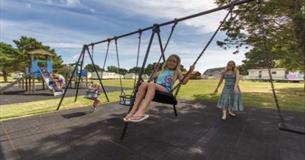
[
  {"x": 59, "y": 79},
  {"x": 93, "y": 93}
]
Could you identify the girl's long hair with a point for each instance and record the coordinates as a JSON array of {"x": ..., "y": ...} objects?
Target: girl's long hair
[
  {"x": 177, "y": 69},
  {"x": 234, "y": 67}
]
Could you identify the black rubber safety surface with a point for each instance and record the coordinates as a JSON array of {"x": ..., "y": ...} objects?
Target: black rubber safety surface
[
  {"x": 16, "y": 95},
  {"x": 197, "y": 133}
]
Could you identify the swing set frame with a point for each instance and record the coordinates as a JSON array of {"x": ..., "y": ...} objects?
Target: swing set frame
[{"x": 156, "y": 30}]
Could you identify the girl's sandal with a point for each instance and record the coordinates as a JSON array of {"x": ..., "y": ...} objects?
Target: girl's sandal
[
  {"x": 138, "y": 118},
  {"x": 232, "y": 114},
  {"x": 127, "y": 118}
]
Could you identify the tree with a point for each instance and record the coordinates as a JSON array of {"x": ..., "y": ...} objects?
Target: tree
[
  {"x": 134, "y": 70},
  {"x": 66, "y": 70},
  {"x": 149, "y": 69},
  {"x": 117, "y": 70},
  {"x": 123, "y": 71},
  {"x": 8, "y": 59},
  {"x": 182, "y": 68},
  {"x": 275, "y": 31},
  {"x": 89, "y": 68},
  {"x": 27, "y": 44},
  {"x": 197, "y": 75},
  {"x": 112, "y": 69}
]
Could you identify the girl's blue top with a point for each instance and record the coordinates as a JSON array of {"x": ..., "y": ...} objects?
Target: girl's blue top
[{"x": 166, "y": 79}]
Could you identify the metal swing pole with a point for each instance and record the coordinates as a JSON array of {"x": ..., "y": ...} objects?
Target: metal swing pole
[
  {"x": 98, "y": 76},
  {"x": 105, "y": 60},
  {"x": 203, "y": 51},
  {"x": 139, "y": 79},
  {"x": 71, "y": 77},
  {"x": 79, "y": 76},
  {"x": 137, "y": 63},
  {"x": 282, "y": 125},
  {"x": 168, "y": 39},
  {"x": 177, "y": 20},
  {"x": 162, "y": 49},
  {"x": 118, "y": 69}
]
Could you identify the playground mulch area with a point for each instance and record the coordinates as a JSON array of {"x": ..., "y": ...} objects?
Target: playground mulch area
[
  {"x": 197, "y": 133},
  {"x": 17, "y": 95}
]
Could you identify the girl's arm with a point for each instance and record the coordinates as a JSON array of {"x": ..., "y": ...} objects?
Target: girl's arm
[
  {"x": 186, "y": 79},
  {"x": 154, "y": 75},
  {"x": 219, "y": 83},
  {"x": 236, "y": 81},
  {"x": 155, "y": 72}
]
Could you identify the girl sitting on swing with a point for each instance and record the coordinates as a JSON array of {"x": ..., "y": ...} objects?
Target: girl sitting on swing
[
  {"x": 165, "y": 80},
  {"x": 93, "y": 94}
]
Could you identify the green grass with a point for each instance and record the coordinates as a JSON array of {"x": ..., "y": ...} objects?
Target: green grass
[
  {"x": 9, "y": 78},
  {"x": 255, "y": 94}
]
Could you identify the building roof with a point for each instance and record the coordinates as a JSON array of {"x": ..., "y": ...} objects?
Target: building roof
[
  {"x": 259, "y": 69},
  {"x": 211, "y": 70},
  {"x": 41, "y": 52}
]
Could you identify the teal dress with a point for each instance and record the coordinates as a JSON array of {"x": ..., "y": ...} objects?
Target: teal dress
[
  {"x": 228, "y": 99},
  {"x": 166, "y": 79}
]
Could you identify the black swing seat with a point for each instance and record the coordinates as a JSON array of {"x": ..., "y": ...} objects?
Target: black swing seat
[
  {"x": 126, "y": 100},
  {"x": 165, "y": 97}
]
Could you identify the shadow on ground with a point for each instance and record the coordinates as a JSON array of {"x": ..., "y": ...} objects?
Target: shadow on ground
[{"x": 197, "y": 133}]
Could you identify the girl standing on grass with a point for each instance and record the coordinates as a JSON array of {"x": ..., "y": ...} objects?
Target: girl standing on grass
[
  {"x": 230, "y": 98},
  {"x": 165, "y": 80}
]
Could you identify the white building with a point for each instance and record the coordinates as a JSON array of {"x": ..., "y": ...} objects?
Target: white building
[
  {"x": 277, "y": 74},
  {"x": 106, "y": 75},
  {"x": 213, "y": 73},
  {"x": 133, "y": 76},
  {"x": 130, "y": 76}
]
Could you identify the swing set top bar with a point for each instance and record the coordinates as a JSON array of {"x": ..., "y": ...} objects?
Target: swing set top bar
[{"x": 176, "y": 20}]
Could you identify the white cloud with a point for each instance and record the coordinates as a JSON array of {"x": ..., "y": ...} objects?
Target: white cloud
[
  {"x": 72, "y": 2},
  {"x": 56, "y": 36},
  {"x": 92, "y": 10},
  {"x": 68, "y": 41},
  {"x": 64, "y": 45},
  {"x": 171, "y": 9},
  {"x": 29, "y": 5},
  {"x": 74, "y": 58},
  {"x": 49, "y": 1}
]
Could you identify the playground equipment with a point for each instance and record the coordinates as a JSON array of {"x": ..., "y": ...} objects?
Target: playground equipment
[
  {"x": 83, "y": 81},
  {"x": 40, "y": 67},
  {"x": 170, "y": 98}
]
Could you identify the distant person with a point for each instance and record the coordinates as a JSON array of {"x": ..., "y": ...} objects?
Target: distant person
[
  {"x": 93, "y": 94},
  {"x": 59, "y": 79},
  {"x": 230, "y": 98},
  {"x": 44, "y": 71}
]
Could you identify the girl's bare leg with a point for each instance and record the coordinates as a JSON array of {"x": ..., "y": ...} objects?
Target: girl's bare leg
[
  {"x": 152, "y": 87},
  {"x": 96, "y": 102},
  {"x": 224, "y": 114},
  {"x": 139, "y": 97}
]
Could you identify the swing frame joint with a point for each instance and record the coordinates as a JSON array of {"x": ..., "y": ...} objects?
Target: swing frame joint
[
  {"x": 140, "y": 31},
  {"x": 176, "y": 20},
  {"x": 156, "y": 28}
]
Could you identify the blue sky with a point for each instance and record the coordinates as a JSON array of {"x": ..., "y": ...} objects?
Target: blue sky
[{"x": 66, "y": 25}]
